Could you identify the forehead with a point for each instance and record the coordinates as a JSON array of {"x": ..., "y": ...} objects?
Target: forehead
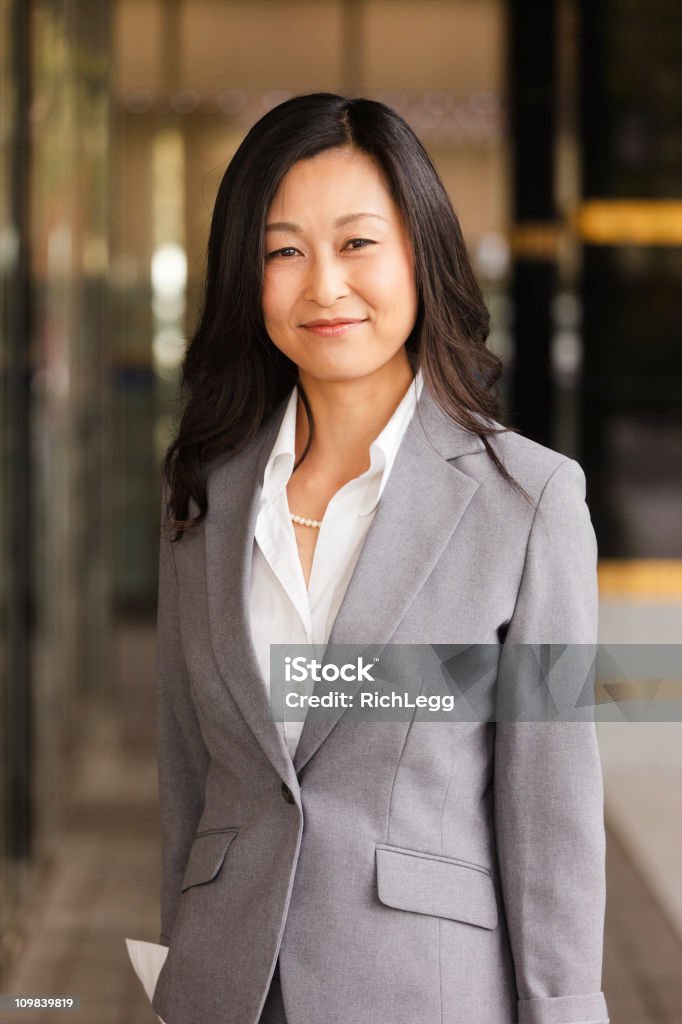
[{"x": 336, "y": 181}]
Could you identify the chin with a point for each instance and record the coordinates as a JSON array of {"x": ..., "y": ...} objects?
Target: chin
[
  {"x": 346, "y": 366},
  {"x": 339, "y": 373}
]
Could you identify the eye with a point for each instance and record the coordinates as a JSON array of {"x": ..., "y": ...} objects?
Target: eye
[
  {"x": 285, "y": 252},
  {"x": 360, "y": 243}
]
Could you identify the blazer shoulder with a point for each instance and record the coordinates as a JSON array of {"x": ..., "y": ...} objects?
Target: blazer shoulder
[
  {"x": 533, "y": 464},
  {"x": 518, "y": 451}
]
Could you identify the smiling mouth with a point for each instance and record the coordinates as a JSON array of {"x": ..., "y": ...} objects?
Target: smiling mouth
[{"x": 331, "y": 328}]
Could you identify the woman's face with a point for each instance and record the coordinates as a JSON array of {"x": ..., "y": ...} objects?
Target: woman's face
[{"x": 339, "y": 291}]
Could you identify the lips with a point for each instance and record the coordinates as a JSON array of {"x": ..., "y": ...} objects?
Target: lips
[
  {"x": 332, "y": 323},
  {"x": 330, "y": 328}
]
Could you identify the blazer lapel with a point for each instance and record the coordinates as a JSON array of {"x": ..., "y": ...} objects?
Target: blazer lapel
[
  {"x": 234, "y": 490},
  {"x": 422, "y": 503}
]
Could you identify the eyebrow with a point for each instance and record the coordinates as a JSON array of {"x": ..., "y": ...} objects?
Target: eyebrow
[{"x": 285, "y": 225}]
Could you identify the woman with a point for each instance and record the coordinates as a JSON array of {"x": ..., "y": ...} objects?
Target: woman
[{"x": 340, "y": 476}]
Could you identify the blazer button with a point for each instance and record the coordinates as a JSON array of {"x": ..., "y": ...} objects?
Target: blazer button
[{"x": 287, "y": 794}]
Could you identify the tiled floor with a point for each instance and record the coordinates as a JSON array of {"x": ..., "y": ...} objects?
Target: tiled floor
[
  {"x": 104, "y": 887},
  {"x": 642, "y": 952}
]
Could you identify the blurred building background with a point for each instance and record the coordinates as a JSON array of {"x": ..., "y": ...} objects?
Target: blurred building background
[{"x": 557, "y": 128}]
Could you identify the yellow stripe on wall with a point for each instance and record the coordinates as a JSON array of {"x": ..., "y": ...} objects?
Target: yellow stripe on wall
[
  {"x": 629, "y": 221},
  {"x": 537, "y": 240},
  {"x": 648, "y": 578}
]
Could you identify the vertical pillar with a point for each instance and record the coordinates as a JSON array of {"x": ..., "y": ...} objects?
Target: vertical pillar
[
  {"x": 531, "y": 90},
  {"x": 17, "y": 714},
  {"x": 630, "y": 227}
]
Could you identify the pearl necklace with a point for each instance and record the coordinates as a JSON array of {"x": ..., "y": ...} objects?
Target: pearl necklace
[{"x": 302, "y": 521}]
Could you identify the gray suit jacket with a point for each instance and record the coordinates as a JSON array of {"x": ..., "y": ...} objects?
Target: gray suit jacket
[{"x": 403, "y": 872}]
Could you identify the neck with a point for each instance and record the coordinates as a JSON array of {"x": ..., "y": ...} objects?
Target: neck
[{"x": 349, "y": 414}]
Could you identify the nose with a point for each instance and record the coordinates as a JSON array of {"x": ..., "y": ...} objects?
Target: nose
[{"x": 326, "y": 282}]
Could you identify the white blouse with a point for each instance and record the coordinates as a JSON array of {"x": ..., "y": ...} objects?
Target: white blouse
[{"x": 282, "y": 609}]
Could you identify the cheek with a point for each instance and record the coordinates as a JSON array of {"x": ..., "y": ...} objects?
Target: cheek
[
  {"x": 395, "y": 290},
  {"x": 274, "y": 300}
]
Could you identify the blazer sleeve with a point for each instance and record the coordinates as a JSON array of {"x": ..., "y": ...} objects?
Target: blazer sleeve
[
  {"x": 182, "y": 755},
  {"x": 548, "y": 791}
]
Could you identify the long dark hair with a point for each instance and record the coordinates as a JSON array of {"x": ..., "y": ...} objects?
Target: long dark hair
[{"x": 233, "y": 375}]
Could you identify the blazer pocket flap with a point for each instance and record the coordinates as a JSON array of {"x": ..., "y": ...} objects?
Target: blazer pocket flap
[
  {"x": 206, "y": 856},
  {"x": 441, "y": 886}
]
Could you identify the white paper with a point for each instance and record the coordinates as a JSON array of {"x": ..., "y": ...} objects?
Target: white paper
[{"x": 147, "y": 958}]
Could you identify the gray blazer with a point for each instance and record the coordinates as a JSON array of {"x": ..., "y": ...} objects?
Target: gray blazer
[{"x": 404, "y": 873}]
